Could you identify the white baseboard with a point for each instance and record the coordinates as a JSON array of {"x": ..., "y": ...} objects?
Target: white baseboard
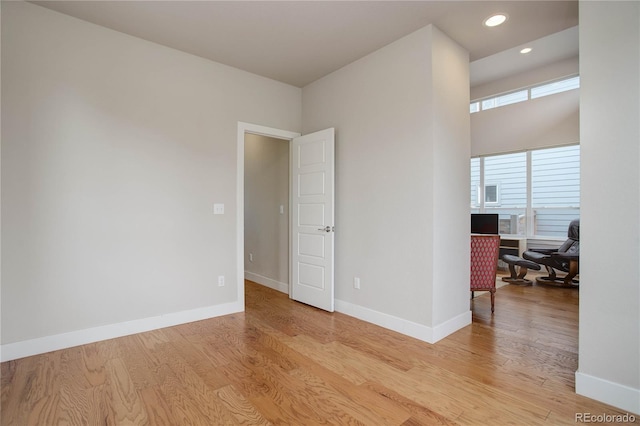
[
  {"x": 451, "y": 326},
  {"x": 267, "y": 282},
  {"x": 45, "y": 344},
  {"x": 615, "y": 394},
  {"x": 403, "y": 326}
]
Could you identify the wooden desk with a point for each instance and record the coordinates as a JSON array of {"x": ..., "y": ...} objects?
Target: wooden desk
[{"x": 512, "y": 244}]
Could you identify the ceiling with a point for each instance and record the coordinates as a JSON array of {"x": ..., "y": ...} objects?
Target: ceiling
[{"x": 298, "y": 42}]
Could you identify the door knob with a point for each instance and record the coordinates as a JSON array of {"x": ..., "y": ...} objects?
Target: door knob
[{"x": 325, "y": 229}]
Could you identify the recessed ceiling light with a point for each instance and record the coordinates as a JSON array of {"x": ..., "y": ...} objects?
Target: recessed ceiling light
[
  {"x": 526, "y": 50},
  {"x": 495, "y": 20}
]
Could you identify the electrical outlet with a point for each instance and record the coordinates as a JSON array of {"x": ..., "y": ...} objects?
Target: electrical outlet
[
  {"x": 220, "y": 280},
  {"x": 356, "y": 283},
  {"x": 250, "y": 257}
]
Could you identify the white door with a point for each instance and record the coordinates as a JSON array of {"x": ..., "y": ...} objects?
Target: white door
[{"x": 312, "y": 219}]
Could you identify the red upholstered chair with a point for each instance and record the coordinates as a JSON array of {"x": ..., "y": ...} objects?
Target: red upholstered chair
[{"x": 484, "y": 264}]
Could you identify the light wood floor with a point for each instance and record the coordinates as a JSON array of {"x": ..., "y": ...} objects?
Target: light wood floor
[{"x": 283, "y": 362}]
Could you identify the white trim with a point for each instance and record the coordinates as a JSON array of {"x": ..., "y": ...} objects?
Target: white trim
[
  {"x": 403, "y": 326},
  {"x": 45, "y": 344},
  {"x": 620, "y": 396},
  {"x": 452, "y": 325},
  {"x": 484, "y": 194},
  {"x": 256, "y": 129},
  {"x": 267, "y": 282},
  {"x": 530, "y": 224}
]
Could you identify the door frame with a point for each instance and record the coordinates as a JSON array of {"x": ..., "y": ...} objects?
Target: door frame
[{"x": 256, "y": 129}]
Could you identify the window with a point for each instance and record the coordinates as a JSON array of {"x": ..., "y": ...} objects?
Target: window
[
  {"x": 508, "y": 99},
  {"x": 525, "y": 94},
  {"x": 491, "y": 194},
  {"x": 555, "y": 87},
  {"x": 535, "y": 193}
]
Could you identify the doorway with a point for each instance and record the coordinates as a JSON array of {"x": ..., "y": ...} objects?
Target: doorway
[
  {"x": 266, "y": 211},
  {"x": 260, "y": 261}
]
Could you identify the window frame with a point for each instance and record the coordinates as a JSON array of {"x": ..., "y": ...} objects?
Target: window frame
[{"x": 483, "y": 193}]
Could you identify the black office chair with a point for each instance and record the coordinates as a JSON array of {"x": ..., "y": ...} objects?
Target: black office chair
[{"x": 565, "y": 259}]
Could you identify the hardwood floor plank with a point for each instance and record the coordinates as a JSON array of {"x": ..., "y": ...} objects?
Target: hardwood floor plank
[
  {"x": 292, "y": 396},
  {"x": 93, "y": 365},
  {"x": 44, "y": 411},
  {"x": 157, "y": 407},
  {"x": 198, "y": 361},
  {"x": 125, "y": 399},
  {"x": 201, "y": 391},
  {"x": 242, "y": 410},
  {"x": 324, "y": 356},
  {"x": 15, "y": 401},
  {"x": 100, "y": 410},
  {"x": 74, "y": 387},
  {"x": 140, "y": 365},
  {"x": 183, "y": 408},
  {"x": 7, "y": 371},
  {"x": 469, "y": 394},
  {"x": 356, "y": 406},
  {"x": 420, "y": 415}
]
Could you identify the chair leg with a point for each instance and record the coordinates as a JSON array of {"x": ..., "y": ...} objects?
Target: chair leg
[
  {"x": 512, "y": 270},
  {"x": 523, "y": 273},
  {"x": 552, "y": 273},
  {"x": 573, "y": 271},
  {"x": 493, "y": 296}
]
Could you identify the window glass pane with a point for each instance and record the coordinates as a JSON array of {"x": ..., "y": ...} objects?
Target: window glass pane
[
  {"x": 555, "y": 189},
  {"x": 474, "y": 107},
  {"x": 489, "y": 103},
  {"x": 508, "y": 99},
  {"x": 475, "y": 182},
  {"x": 555, "y": 87},
  {"x": 508, "y": 173},
  {"x": 512, "y": 98},
  {"x": 512, "y": 221},
  {"x": 491, "y": 194}
]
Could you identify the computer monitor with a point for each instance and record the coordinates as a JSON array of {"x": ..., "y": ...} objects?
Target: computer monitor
[{"x": 484, "y": 223}]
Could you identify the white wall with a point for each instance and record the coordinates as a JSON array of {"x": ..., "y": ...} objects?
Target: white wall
[
  {"x": 538, "y": 123},
  {"x": 396, "y": 131},
  {"x": 609, "y": 344},
  {"x": 562, "y": 68},
  {"x": 450, "y": 143},
  {"x": 114, "y": 151},
  {"x": 266, "y": 230}
]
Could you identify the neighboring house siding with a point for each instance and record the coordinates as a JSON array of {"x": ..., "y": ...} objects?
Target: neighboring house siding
[
  {"x": 555, "y": 188},
  {"x": 509, "y": 171},
  {"x": 475, "y": 183},
  {"x": 555, "y": 177}
]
